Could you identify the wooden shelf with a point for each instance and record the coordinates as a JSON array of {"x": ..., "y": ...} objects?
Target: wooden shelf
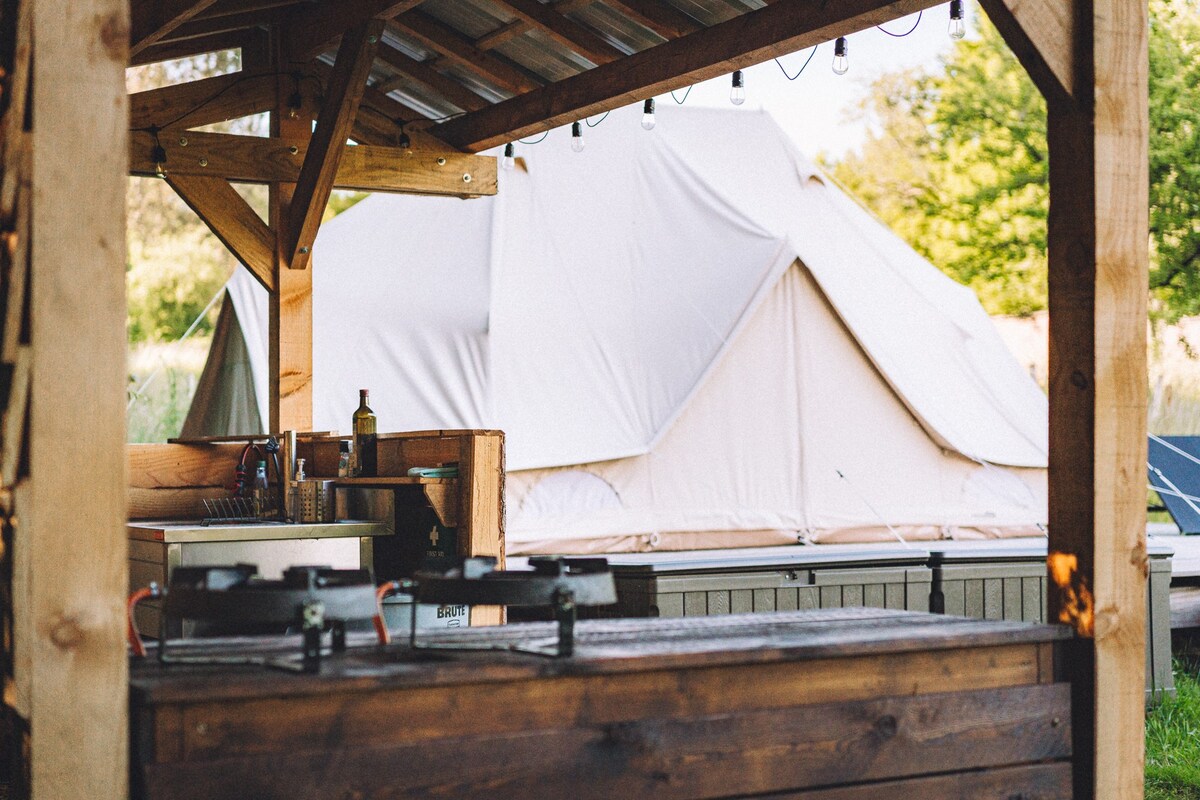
[{"x": 396, "y": 480}]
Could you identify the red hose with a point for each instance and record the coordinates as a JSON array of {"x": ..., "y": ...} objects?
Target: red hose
[
  {"x": 381, "y": 629},
  {"x": 131, "y": 632}
]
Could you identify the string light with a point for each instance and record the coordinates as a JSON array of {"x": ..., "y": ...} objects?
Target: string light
[
  {"x": 957, "y": 28},
  {"x": 577, "y": 137},
  {"x": 508, "y": 160},
  {"x": 158, "y": 154},
  {"x": 840, "y": 61},
  {"x": 648, "y": 115},
  {"x": 737, "y": 93}
]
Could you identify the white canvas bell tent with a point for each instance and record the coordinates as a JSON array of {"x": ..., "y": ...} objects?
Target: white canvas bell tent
[{"x": 691, "y": 338}]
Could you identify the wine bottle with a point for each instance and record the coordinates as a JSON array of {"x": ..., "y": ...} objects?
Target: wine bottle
[{"x": 364, "y": 438}]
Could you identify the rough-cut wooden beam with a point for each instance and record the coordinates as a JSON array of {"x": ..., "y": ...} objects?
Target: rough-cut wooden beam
[
  {"x": 169, "y": 51},
  {"x": 432, "y": 34},
  {"x": 72, "y": 540},
  {"x": 507, "y": 31},
  {"x": 784, "y": 27},
  {"x": 309, "y": 33},
  {"x": 448, "y": 88},
  {"x": 203, "y": 102},
  {"x": 1042, "y": 34},
  {"x": 232, "y": 220},
  {"x": 565, "y": 31},
  {"x": 256, "y": 159},
  {"x": 317, "y": 176},
  {"x": 226, "y": 8},
  {"x": 211, "y": 26},
  {"x": 151, "y": 20},
  {"x": 659, "y": 17},
  {"x": 1098, "y": 261}
]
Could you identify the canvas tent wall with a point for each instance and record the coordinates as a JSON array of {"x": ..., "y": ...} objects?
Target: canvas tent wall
[{"x": 685, "y": 350}]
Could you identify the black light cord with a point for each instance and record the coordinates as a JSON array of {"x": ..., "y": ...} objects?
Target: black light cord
[
  {"x": 591, "y": 124},
  {"x": 300, "y": 77},
  {"x": 906, "y": 33},
  {"x": 801, "y": 72}
]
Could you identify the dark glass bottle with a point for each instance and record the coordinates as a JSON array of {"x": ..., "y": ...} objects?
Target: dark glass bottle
[{"x": 364, "y": 438}]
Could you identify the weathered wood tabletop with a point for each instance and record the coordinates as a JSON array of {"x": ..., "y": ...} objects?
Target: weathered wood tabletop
[{"x": 795, "y": 702}]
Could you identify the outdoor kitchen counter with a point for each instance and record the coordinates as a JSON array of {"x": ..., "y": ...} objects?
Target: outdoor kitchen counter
[{"x": 864, "y": 699}]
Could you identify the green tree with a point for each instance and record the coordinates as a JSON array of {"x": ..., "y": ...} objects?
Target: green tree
[{"x": 955, "y": 161}]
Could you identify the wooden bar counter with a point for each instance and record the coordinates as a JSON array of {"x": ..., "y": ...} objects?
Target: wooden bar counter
[{"x": 837, "y": 705}]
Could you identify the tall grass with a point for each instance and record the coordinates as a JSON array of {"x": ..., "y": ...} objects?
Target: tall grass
[
  {"x": 1173, "y": 741},
  {"x": 162, "y": 380}
]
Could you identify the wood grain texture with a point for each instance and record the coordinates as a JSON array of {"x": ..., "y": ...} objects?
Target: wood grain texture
[
  {"x": 563, "y": 30},
  {"x": 255, "y": 159},
  {"x": 660, "y": 17},
  {"x": 1033, "y": 782},
  {"x": 151, "y": 20},
  {"x": 203, "y": 102},
  {"x": 1042, "y": 34},
  {"x": 481, "y": 514},
  {"x": 423, "y": 73},
  {"x": 76, "y": 534},
  {"x": 1098, "y": 255},
  {"x": 455, "y": 48},
  {"x": 784, "y": 27},
  {"x": 232, "y": 220},
  {"x": 16, "y": 246},
  {"x": 734, "y": 754},
  {"x": 319, "y": 170},
  {"x": 14, "y": 140},
  {"x": 170, "y": 481}
]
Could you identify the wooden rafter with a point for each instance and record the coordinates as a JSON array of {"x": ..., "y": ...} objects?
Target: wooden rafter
[
  {"x": 232, "y": 220},
  {"x": 226, "y": 8},
  {"x": 151, "y": 20},
  {"x": 309, "y": 33},
  {"x": 211, "y": 26},
  {"x": 448, "y": 88},
  {"x": 317, "y": 175},
  {"x": 1042, "y": 34},
  {"x": 506, "y": 32},
  {"x": 784, "y": 27},
  {"x": 456, "y": 48},
  {"x": 230, "y": 40},
  {"x": 563, "y": 30},
  {"x": 660, "y": 17},
  {"x": 203, "y": 102},
  {"x": 257, "y": 159}
]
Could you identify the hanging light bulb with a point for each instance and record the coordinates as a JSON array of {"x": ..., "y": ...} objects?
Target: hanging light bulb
[
  {"x": 737, "y": 94},
  {"x": 577, "y": 137},
  {"x": 957, "y": 28},
  {"x": 840, "y": 62},
  {"x": 158, "y": 154},
  {"x": 403, "y": 141},
  {"x": 648, "y": 115},
  {"x": 506, "y": 163}
]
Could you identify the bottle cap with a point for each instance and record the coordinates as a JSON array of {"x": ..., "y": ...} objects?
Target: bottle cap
[
  {"x": 262, "y": 465},
  {"x": 362, "y": 392}
]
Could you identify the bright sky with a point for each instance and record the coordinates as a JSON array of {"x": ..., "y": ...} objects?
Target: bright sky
[{"x": 817, "y": 109}]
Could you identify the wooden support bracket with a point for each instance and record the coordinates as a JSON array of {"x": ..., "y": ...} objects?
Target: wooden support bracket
[
  {"x": 429, "y": 167},
  {"x": 1042, "y": 35},
  {"x": 151, "y": 20},
  {"x": 232, "y": 220},
  {"x": 317, "y": 175},
  {"x": 203, "y": 102}
]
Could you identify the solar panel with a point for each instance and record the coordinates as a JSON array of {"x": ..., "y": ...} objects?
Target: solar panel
[{"x": 1174, "y": 470}]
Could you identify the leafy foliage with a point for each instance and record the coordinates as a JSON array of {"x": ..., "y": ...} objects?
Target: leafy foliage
[
  {"x": 1173, "y": 741},
  {"x": 956, "y": 163}
]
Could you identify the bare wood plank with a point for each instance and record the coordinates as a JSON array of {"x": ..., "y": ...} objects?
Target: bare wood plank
[
  {"x": 23, "y": 618},
  {"x": 731, "y": 755},
  {"x": 317, "y": 174},
  {"x": 1030, "y": 782},
  {"x": 14, "y": 418},
  {"x": 227, "y": 23},
  {"x": 180, "y": 466},
  {"x": 481, "y": 513},
  {"x": 311, "y": 32},
  {"x": 255, "y": 725},
  {"x": 660, "y": 17},
  {"x": 564, "y": 30},
  {"x": 16, "y": 243},
  {"x": 203, "y": 102},
  {"x": 169, "y": 51},
  {"x": 507, "y": 31},
  {"x": 784, "y": 27},
  {"x": 161, "y": 504},
  {"x": 79, "y": 696},
  {"x": 447, "y": 87},
  {"x": 232, "y": 220},
  {"x": 436, "y": 36},
  {"x": 290, "y": 307},
  {"x": 1042, "y": 35},
  {"x": 13, "y": 139},
  {"x": 151, "y": 20},
  {"x": 1098, "y": 258},
  {"x": 254, "y": 159},
  {"x": 225, "y": 8}
]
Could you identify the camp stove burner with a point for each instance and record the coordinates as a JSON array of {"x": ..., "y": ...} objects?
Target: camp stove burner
[
  {"x": 314, "y": 599},
  {"x": 562, "y": 584}
]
